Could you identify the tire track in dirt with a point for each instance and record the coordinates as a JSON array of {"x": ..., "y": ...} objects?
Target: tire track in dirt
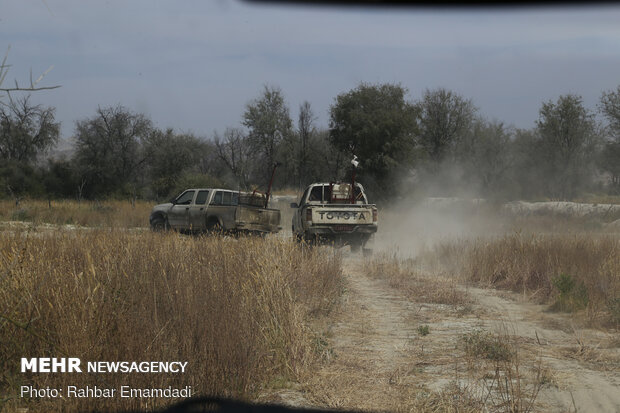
[
  {"x": 378, "y": 361},
  {"x": 586, "y": 362},
  {"x": 371, "y": 344}
]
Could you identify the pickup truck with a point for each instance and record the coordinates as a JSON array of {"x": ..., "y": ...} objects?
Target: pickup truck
[
  {"x": 333, "y": 213},
  {"x": 216, "y": 210}
]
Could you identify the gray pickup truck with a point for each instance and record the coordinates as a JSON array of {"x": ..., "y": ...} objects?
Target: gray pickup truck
[
  {"x": 216, "y": 210},
  {"x": 337, "y": 214}
]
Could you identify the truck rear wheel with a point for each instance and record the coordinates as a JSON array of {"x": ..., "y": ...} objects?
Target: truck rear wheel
[
  {"x": 214, "y": 227},
  {"x": 311, "y": 239},
  {"x": 298, "y": 237}
]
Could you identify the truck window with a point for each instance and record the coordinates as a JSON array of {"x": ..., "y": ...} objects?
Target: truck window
[
  {"x": 227, "y": 198},
  {"x": 202, "y": 197},
  {"x": 327, "y": 193},
  {"x": 185, "y": 198},
  {"x": 217, "y": 199},
  {"x": 235, "y": 198},
  {"x": 316, "y": 195}
]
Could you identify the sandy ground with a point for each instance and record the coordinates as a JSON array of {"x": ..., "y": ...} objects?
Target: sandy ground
[{"x": 377, "y": 360}]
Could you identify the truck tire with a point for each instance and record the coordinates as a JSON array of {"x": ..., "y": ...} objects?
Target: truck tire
[
  {"x": 159, "y": 224},
  {"x": 214, "y": 227},
  {"x": 298, "y": 237},
  {"x": 311, "y": 239},
  {"x": 355, "y": 248}
]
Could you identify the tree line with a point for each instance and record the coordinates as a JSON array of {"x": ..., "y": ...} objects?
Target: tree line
[{"x": 437, "y": 145}]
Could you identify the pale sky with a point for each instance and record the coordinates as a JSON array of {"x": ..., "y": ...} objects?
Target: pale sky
[{"x": 194, "y": 65}]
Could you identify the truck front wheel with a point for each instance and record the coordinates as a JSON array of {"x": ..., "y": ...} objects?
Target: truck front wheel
[{"x": 159, "y": 224}]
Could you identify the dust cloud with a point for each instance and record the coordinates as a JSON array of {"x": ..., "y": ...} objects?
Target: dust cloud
[{"x": 409, "y": 227}]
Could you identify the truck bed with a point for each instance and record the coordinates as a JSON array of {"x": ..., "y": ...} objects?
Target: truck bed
[{"x": 249, "y": 218}]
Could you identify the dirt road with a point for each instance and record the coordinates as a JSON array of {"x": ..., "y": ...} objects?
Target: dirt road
[{"x": 380, "y": 359}]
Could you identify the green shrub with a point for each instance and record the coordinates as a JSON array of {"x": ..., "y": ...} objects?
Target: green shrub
[
  {"x": 483, "y": 344},
  {"x": 613, "y": 305},
  {"x": 572, "y": 296}
]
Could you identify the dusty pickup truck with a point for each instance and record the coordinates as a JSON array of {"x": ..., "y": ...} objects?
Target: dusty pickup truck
[
  {"x": 216, "y": 210},
  {"x": 337, "y": 214}
]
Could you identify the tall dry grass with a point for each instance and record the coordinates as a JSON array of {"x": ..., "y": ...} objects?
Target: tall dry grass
[
  {"x": 234, "y": 309},
  {"x": 112, "y": 213},
  {"x": 414, "y": 284},
  {"x": 571, "y": 271}
]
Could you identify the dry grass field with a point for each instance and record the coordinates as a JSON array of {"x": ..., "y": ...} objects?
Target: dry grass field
[
  {"x": 469, "y": 310},
  {"x": 235, "y": 309},
  {"x": 457, "y": 312},
  {"x": 572, "y": 272},
  {"x": 121, "y": 214},
  {"x": 420, "y": 335}
]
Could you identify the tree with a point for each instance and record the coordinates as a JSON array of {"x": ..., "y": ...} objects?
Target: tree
[
  {"x": 269, "y": 122},
  {"x": 33, "y": 86},
  {"x": 59, "y": 178},
  {"x": 610, "y": 162},
  {"x": 305, "y": 131},
  {"x": 609, "y": 106},
  {"x": 377, "y": 124},
  {"x": 235, "y": 151},
  {"x": 528, "y": 169},
  {"x": 445, "y": 118},
  {"x": 485, "y": 155},
  {"x": 325, "y": 162},
  {"x": 26, "y": 131},
  {"x": 18, "y": 179},
  {"x": 168, "y": 157},
  {"x": 568, "y": 141},
  {"x": 108, "y": 153}
]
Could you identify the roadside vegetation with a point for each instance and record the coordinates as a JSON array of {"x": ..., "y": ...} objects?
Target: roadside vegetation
[
  {"x": 111, "y": 213},
  {"x": 486, "y": 356},
  {"x": 237, "y": 310},
  {"x": 417, "y": 285},
  {"x": 570, "y": 272},
  {"x": 483, "y": 370},
  {"x": 438, "y": 144}
]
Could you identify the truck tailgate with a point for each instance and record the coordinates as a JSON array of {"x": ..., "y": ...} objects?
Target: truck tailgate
[
  {"x": 258, "y": 219},
  {"x": 342, "y": 214}
]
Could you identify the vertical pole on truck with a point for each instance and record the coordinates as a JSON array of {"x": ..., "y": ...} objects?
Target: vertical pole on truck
[
  {"x": 354, "y": 162},
  {"x": 273, "y": 173}
]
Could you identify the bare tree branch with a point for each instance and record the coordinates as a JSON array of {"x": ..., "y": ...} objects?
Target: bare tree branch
[
  {"x": 4, "y": 69},
  {"x": 22, "y": 89}
]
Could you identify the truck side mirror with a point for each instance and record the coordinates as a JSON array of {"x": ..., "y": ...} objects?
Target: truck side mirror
[
  {"x": 173, "y": 201},
  {"x": 294, "y": 205}
]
